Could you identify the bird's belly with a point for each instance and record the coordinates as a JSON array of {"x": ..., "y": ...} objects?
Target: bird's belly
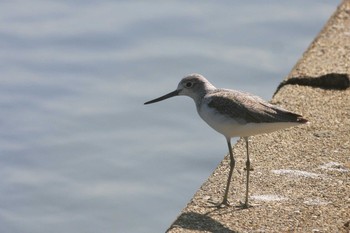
[{"x": 231, "y": 127}]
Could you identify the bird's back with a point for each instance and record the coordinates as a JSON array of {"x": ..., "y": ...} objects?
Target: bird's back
[
  {"x": 235, "y": 113},
  {"x": 249, "y": 108}
]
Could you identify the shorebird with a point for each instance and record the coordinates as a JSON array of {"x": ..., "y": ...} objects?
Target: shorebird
[{"x": 233, "y": 114}]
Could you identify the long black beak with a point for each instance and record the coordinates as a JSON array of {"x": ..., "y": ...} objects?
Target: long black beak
[{"x": 171, "y": 94}]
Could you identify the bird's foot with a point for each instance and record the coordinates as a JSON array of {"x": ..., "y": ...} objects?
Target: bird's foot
[
  {"x": 250, "y": 169},
  {"x": 223, "y": 204},
  {"x": 244, "y": 205}
]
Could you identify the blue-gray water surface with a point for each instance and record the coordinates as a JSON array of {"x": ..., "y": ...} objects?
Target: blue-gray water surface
[{"x": 79, "y": 152}]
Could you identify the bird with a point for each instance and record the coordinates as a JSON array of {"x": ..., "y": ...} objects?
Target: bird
[{"x": 233, "y": 113}]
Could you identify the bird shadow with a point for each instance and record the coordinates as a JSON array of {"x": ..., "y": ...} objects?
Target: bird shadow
[{"x": 200, "y": 222}]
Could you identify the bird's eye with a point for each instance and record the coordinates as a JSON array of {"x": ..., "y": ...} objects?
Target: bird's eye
[{"x": 189, "y": 84}]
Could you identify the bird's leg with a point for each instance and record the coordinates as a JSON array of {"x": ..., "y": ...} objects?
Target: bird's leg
[
  {"x": 245, "y": 205},
  {"x": 232, "y": 166}
]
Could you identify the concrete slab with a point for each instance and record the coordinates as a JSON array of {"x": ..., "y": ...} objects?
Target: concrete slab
[{"x": 300, "y": 181}]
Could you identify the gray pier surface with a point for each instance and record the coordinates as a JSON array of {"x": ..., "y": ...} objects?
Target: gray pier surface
[{"x": 301, "y": 177}]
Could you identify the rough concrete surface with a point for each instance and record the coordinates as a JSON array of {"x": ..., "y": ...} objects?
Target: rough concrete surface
[{"x": 300, "y": 181}]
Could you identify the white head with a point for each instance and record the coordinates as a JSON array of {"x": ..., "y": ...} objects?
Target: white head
[{"x": 193, "y": 85}]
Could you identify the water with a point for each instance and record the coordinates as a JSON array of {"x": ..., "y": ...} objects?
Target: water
[{"x": 78, "y": 150}]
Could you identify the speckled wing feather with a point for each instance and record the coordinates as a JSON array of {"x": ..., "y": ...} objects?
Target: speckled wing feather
[{"x": 248, "y": 108}]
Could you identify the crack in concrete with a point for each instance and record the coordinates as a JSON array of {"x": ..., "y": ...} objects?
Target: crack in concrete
[{"x": 331, "y": 81}]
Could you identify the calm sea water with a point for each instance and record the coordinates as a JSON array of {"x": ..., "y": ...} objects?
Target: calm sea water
[{"x": 78, "y": 150}]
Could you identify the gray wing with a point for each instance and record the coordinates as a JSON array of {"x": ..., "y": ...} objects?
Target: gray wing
[{"x": 248, "y": 108}]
